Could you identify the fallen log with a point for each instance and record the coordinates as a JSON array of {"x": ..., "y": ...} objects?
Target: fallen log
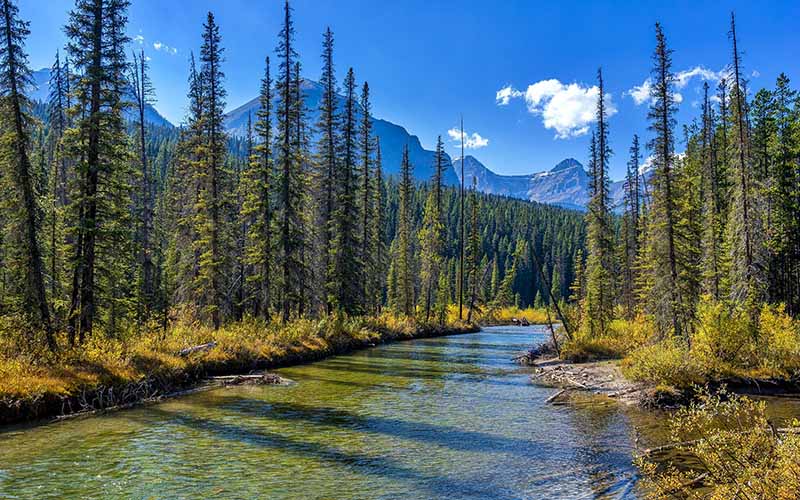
[
  {"x": 555, "y": 396},
  {"x": 259, "y": 378},
  {"x": 198, "y": 348}
]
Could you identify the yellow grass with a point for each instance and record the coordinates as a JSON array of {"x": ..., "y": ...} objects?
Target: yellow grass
[{"x": 28, "y": 374}]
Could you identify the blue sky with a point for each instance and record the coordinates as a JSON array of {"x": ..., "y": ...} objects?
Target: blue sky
[{"x": 429, "y": 61}]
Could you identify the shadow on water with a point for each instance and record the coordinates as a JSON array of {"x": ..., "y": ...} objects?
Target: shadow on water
[
  {"x": 366, "y": 464},
  {"x": 451, "y": 437}
]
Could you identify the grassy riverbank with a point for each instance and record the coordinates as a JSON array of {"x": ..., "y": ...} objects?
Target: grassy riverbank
[
  {"x": 724, "y": 347},
  {"x": 110, "y": 372}
]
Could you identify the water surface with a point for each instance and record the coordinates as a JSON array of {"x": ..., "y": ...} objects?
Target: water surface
[{"x": 450, "y": 417}]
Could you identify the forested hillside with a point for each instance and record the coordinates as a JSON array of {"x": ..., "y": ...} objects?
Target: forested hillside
[{"x": 114, "y": 224}]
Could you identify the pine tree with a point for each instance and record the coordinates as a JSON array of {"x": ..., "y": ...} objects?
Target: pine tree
[
  {"x": 474, "y": 252},
  {"x": 15, "y": 78},
  {"x": 403, "y": 258}
]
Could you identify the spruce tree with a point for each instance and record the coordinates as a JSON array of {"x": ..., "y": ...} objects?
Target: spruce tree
[
  {"x": 257, "y": 207},
  {"x": 290, "y": 178},
  {"x": 664, "y": 298},
  {"x": 210, "y": 224},
  {"x": 712, "y": 205},
  {"x": 403, "y": 258},
  {"x": 599, "y": 273},
  {"x": 15, "y": 78},
  {"x": 328, "y": 156},
  {"x": 432, "y": 236},
  {"x": 378, "y": 270},
  {"x": 96, "y": 32},
  {"x": 365, "y": 142}
]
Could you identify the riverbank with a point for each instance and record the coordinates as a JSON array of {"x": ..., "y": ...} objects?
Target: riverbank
[
  {"x": 598, "y": 377},
  {"x": 112, "y": 373}
]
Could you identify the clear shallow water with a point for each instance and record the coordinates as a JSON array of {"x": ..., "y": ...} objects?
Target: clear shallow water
[{"x": 450, "y": 417}]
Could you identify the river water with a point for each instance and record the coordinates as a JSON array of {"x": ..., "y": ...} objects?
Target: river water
[{"x": 450, "y": 417}]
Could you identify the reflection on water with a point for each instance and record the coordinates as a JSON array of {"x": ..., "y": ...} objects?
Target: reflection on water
[{"x": 450, "y": 417}]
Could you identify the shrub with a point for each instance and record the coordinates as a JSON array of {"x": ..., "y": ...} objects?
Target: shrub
[
  {"x": 666, "y": 362},
  {"x": 737, "y": 454},
  {"x": 780, "y": 335},
  {"x": 724, "y": 338},
  {"x": 623, "y": 337}
]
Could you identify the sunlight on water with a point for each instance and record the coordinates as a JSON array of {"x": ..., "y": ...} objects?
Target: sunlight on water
[{"x": 450, "y": 417}]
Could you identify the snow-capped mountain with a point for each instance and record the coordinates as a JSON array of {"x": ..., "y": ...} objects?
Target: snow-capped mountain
[
  {"x": 565, "y": 185},
  {"x": 41, "y": 92},
  {"x": 392, "y": 136}
]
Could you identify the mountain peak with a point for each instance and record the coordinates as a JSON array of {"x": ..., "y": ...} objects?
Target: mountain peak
[{"x": 566, "y": 164}]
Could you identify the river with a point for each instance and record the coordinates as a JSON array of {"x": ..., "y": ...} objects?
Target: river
[{"x": 450, "y": 417}]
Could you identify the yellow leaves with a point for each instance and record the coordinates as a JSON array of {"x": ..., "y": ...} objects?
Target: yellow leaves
[{"x": 736, "y": 454}]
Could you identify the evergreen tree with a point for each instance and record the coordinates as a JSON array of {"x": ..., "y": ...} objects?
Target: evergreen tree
[
  {"x": 210, "y": 216},
  {"x": 290, "y": 176},
  {"x": 712, "y": 205},
  {"x": 143, "y": 95},
  {"x": 15, "y": 77},
  {"x": 101, "y": 201},
  {"x": 599, "y": 273},
  {"x": 378, "y": 269},
  {"x": 403, "y": 258},
  {"x": 744, "y": 230},
  {"x": 327, "y": 151},
  {"x": 257, "y": 207},
  {"x": 631, "y": 229},
  {"x": 345, "y": 245},
  {"x": 432, "y": 236},
  {"x": 664, "y": 294},
  {"x": 785, "y": 236},
  {"x": 365, "y": 142}
]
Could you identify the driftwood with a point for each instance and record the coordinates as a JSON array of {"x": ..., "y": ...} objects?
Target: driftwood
[
  {"x": 197, "y": 348},
  {"x": 555, "y": 396},
  {"x": 259, "y": 378}
]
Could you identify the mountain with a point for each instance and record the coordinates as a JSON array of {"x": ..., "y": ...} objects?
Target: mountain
[
  {"x": 565, "y": 185},
  {"x": 392, "y": 136},
  {"x": 41, "y": 92}
]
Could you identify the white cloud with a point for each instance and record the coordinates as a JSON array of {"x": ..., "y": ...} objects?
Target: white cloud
[
  {"x": 138, "y": 39},
  {"x": 755, "y": 73},
  {"x": 166, "y": 48},
  {"x": 641, "y": 93},
  {"x": 566, "y": 108},
  {"x": 471, "y": 141},
  {"x": 504, "y": 95}
]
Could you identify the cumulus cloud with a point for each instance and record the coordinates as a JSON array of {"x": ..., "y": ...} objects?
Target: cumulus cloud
[
  {"x": 568, "y": 109},
  {"x": 641, "y": 93},
  {"x": 165, "y": 48},
  {"x": 471, "y": 141}
]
